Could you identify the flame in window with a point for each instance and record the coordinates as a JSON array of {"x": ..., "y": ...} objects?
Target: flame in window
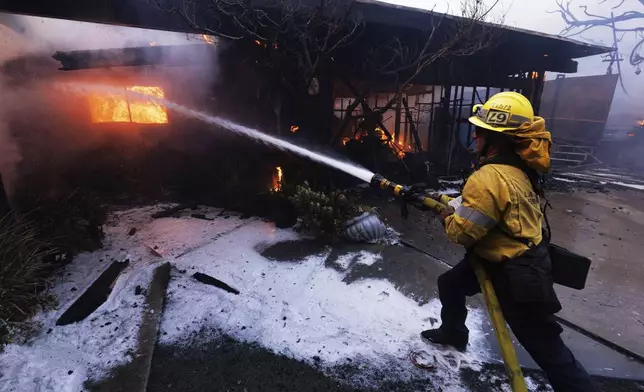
[
  {"x": 145, "y": 111},
  {"x": 116, "y": 108}
]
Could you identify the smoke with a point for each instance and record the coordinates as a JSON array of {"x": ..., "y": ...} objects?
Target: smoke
[
  {"x": 27, "y": 72},
  {"x": 11, "y": 47}
]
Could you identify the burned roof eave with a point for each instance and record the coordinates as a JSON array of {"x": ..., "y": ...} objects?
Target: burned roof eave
[
  {"x": 145, "y": 14},
  {"x": 544, "y": 52},
  {"x": 419, "y": 19}
]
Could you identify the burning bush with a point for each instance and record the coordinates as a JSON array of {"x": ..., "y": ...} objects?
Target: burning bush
[{"x": 23, "y": 271}]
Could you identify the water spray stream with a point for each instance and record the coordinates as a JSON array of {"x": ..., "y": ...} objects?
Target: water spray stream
[{"x": 347, "y": 167}]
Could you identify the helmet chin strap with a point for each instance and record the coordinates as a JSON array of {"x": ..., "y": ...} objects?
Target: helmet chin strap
[
  {"x": 485, "y": 149},
  {"x": 487, "y": 144}
]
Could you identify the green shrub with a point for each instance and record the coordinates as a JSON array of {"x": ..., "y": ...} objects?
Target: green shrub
[{"x": 323, "y": 212}]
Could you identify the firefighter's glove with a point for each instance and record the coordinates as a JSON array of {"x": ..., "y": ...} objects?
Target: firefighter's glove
[
  {"x": 446, "y": 212},
  {"x": 434, "y": 195}
]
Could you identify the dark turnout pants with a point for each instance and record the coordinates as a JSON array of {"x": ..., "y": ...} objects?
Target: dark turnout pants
[{"x": 537, "y": 331}]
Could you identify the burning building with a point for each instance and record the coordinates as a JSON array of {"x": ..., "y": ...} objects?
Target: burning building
[
  {"x": 98, "y": 120},
  {"x": 340, "y": 103}
]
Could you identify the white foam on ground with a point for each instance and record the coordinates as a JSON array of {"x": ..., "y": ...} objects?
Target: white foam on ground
[
  {"x": 61, "y": 358},
  {"x": 300, "y": 309},
  {"x": 452, "y": 182},
  {"x": 348, "y": 260},
  {"x": 562, "y": 179},
  {"x": 90, "y": 348},
  {"x": 450, "y": 191},
  {"x": 532, "y": 385},
  {"x": 633, "y": 186},
  {"x": 624, "y": 184}
]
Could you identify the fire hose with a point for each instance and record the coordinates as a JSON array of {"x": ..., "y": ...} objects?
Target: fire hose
[{"x": 420, "y": 199}]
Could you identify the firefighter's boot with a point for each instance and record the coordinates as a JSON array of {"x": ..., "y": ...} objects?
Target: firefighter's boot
[{"x": 457, "y": 340}]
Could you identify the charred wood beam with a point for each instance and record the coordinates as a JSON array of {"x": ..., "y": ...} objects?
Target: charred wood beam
[
  {"x": 470, "y": 76},
  {"x": 148, "y": 55},
  {"x": 209, "y": 280},
  {"x": 165, "y": 213},
  {"x": 394, "y": 146},
  {"x": 412, "y": 126},
  {"x": 94, "y": 296},
  {"x": 347, "y": 116},
  {"x": 4, "y": 200},
  {"x": 480, "y": 69},
  {"x": 397, "y": 122}
]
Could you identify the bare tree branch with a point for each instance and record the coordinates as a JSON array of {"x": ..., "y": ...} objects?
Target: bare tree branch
[
  {"x": 468, "y": 36},
  {"x": 619, "y": 23},
  {"x": 302, "y": 30}
]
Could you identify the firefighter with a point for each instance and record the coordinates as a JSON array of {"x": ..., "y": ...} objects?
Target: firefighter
[{"x": 499, "y": 222}]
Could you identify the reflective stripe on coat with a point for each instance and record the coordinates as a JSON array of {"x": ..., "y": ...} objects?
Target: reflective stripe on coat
[{"x": 499, "y": 205}]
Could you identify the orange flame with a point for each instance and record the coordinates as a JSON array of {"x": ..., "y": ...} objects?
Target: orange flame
[
  {"x": 109, "y": 108},
  {"x": 345, "y": 140},
  {"x": 147, "y": 111},
  {"x": 106, "y": 108},
  {"x": 208, "y": 39},
  {"x": 397, "y": 150},
  {"x": 277, "y": 180},
  {"x": 295, "y": 128},
  {"x": 381, "y": 134}
]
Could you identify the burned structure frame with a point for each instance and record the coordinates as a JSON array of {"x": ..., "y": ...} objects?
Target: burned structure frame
[{"x": 428, "y": 107}]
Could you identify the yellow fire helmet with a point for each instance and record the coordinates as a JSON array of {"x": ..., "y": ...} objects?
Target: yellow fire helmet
[{"x": 503, "y": 112}]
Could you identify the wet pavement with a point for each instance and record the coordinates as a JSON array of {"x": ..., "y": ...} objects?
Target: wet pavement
[{"x": 606, "y": 227}]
